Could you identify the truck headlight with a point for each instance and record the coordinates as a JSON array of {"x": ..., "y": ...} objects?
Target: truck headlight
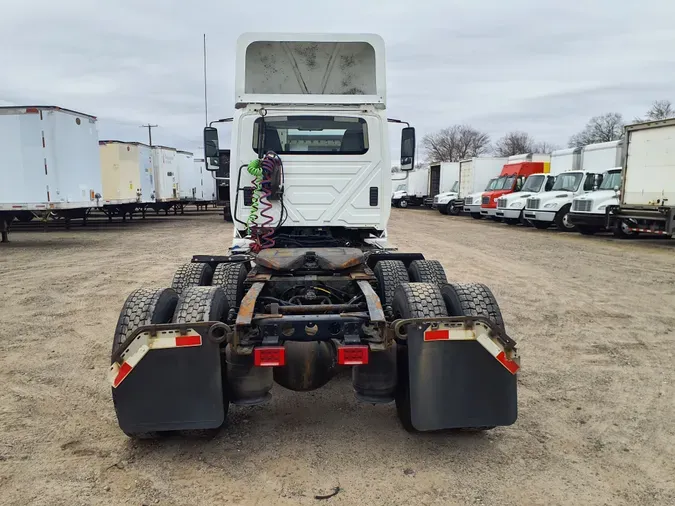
[
  {"x": 550, "y": 205},
  {"x": 514, "y": 204},
  {"x": 602, "y": 208}
]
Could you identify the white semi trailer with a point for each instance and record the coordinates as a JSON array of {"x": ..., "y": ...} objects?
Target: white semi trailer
[
  {"x": 315, "y": 289},
  {"x": 647, "y": 194}
]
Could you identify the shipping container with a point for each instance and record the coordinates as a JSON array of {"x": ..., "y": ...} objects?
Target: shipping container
[
  {"x": 49, "y": 159},
  {"x": 563, "y": 160},
  {"x": 165, "y": 169},
  {"x": 602, "y": 156},
  {"x": 189, "y": 180},
  {"x": 126, "y": 170}
]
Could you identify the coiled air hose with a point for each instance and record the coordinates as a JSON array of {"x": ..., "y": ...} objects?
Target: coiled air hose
[{"x": 263, "y": 172}]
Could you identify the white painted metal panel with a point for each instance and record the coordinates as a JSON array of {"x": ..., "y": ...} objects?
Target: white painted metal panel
[
  {"x": 188, "y": 176},
  {"x": 165, "y": 168},
  {"x": 301, "y": 68},
  {"x": 206, "y": 179},
  {"x": 600, "y": 157},
  {"x": 146, "y": 172},
  {"x": 649, "y": 172},
  {"x": 563, "y": 160},
  {"x": 475, "y": 173},
  {"x": 449, "y": 175}
]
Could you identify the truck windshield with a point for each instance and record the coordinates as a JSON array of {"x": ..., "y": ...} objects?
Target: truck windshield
[
  {"x": 400, "y": 187},
  {"x": 610, "y": 180},
  {"x": 505, "y": 183},
  {"x": 313, "y": 134},
  {"x": 568, "y": 182},
  {"x": 533, "y": 183},
  {"x": 491, "y": 184},
  {"x": 455, "y": 187}
]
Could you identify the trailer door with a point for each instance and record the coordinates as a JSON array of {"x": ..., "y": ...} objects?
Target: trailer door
[{"x": 434, "y": 180}]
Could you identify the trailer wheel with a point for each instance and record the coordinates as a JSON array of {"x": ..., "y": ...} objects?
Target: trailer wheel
[
  {"x": 562, "y": 219},
  {"x": 412, "y": 300},
  {"x": 390, "y": 274},
  {"x": 230, "y": 277},
  {"x": 477, "y": 216},
  {"x": 145, "y": 306},
  {"x": 193, "y": 274},
  {"x": 427, "y": 271},
  {"x": 200, "y": 304}
]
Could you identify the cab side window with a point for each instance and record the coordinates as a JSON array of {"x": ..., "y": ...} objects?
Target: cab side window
[
  {"x": 519, "y": 183},
  {"x": 590, "y": 182},
  {"x": 550, "y": 181}
]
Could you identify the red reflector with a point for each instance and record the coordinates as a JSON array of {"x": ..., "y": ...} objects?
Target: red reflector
[
  {"x": 32, "y": 110},
  {"x": 189, "y": 341},
  {"x": 353, "y": 355},
  {"x": 124, "y": 371},
  {"x": 437, "y": 335},
  {"x": 269, "y": 356},
  {"x": 510, "y": 365}
]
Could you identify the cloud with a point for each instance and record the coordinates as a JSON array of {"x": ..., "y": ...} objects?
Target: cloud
[{"x": 543, "y": 67}]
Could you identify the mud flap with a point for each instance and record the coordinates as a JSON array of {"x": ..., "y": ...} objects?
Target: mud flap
[
  {"x": 172, "y": 389},
  {"x": 457, "y": 384}
]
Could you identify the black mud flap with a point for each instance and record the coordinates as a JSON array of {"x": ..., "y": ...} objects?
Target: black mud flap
[
  {"x": 172, "y": 389},
  {"x": 458, "y": 384}
]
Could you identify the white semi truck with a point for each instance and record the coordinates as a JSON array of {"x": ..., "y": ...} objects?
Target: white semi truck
[
  {"x": 310, "y": 286},
  {"x": 511, "y": 207},
  {"x": 477, "y": 175},
  {"x": 554, "y": 207},
  {"x": 647, "y": 194}
]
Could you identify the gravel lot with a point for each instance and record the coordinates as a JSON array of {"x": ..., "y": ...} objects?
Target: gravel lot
[{"x": 594, "y": 319}]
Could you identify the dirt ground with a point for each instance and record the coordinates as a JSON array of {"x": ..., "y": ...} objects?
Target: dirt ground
[{"x": 594, "y": 318}]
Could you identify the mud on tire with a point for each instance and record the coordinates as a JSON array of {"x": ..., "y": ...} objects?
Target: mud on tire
[
  {"x": 192, "y": 274},
  {"x": 427, "y": 271},
  {"x": 412, "y": 300}
]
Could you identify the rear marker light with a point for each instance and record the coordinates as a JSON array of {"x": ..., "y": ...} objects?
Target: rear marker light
[
  {"x": 353, "y": 355},
  {"x": 269, "y": 356},
  {"x": 437, "y": 335},
  {"x": 184, "y": 341}
]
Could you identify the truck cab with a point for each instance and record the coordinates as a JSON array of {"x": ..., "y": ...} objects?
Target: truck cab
[
  {"x": 589, "y": 211},
  {"x": 553, "y": 207},
  {"x": 510, "y": 207},
  {"x": 472, "y": 202},
  {"x": 443, "y": 201},
  {"x": 511, "y": 179}
]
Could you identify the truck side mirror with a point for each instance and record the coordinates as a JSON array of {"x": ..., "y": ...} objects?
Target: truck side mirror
[
  {"x": 211, "y": 148},
  {"x": 408, "y": 148}
]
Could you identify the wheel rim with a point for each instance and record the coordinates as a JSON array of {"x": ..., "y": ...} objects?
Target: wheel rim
[
  {"x": 625, "y": 229},
  {"x": 566, "y": 221},
  {"x": 404, "y": 204}
]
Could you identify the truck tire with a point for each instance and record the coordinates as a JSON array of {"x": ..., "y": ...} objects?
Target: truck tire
[
  {"x": 586, "y": 230},
  {"x": 390, "y": 274},
  {"x": 199, "y": 304},
  {"x": 477, "y": 216},
  {"x": 427, "y": 271},
  {"x": 412, "y": 300},
  {"x": 622, "y": 231},
  {"x": 443, "y": 209},
  {"x": 193, "y": 274},
  {"x": 540, "y": 225},
  {"x": 511, "y": 221},
  {"x": 145, "y": 306},
  {"x": 230, "y": 277},
  {"x": 453, "y": 210},
  {"x": 471, "y": 299},
  {"x": 562, "y": 219},
  {"x": 403, "y": 204}
]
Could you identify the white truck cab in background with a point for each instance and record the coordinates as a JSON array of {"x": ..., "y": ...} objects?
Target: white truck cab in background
[
  {"x": 328, "y": 125},
  {"x": 554, "y": 207},
  {"x": 589, "y": 211},
  {"x": 443, "y": 185},
  {"x": 415, "y": 191},
  {"x": 512, "y": 207}
]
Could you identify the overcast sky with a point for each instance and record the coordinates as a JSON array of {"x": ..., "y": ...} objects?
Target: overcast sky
[{"x": 543, "y": 66}]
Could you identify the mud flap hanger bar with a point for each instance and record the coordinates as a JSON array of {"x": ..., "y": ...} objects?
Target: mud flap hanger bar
[{"x": 465, "y": 328}]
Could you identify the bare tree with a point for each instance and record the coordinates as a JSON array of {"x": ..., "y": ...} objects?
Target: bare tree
[
  {"x": 604, "y": 128},
  {"x": 660, "y": 109},
  {"x": 455, "y": 143},
  {"x": 514, "y": 143},
  {"x": 544, "y": 147}
]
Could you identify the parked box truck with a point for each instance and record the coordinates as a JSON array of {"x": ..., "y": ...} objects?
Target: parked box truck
[
  {"x": 49, "y": 159},
  {"x": 647, "y": 198},
  {"x": 589, "y": 211},
  {"x": 475, "y": 175},
  {"x": 443, "y": 179},
  {"x": 165, "y": 168},
  {"x": 417, "y": 189},
  {"x": 126, "y": 171}
]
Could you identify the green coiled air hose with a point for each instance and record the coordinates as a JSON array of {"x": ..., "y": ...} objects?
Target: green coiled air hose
[{"x": 256, "y": 170}]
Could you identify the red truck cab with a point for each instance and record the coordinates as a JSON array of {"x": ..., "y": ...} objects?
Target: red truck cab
[{"x": 510, "y": 180}]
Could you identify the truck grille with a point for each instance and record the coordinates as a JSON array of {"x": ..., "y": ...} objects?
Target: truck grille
[
  {"x": 501, "y": 202},
  {"x": 436, "y": 199},
  {"x": 468, "y": 201},
  {"x": 533, "y": 203},
  {"x": 583, "y": 206},
  {"x": 485, "y": 200}
]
